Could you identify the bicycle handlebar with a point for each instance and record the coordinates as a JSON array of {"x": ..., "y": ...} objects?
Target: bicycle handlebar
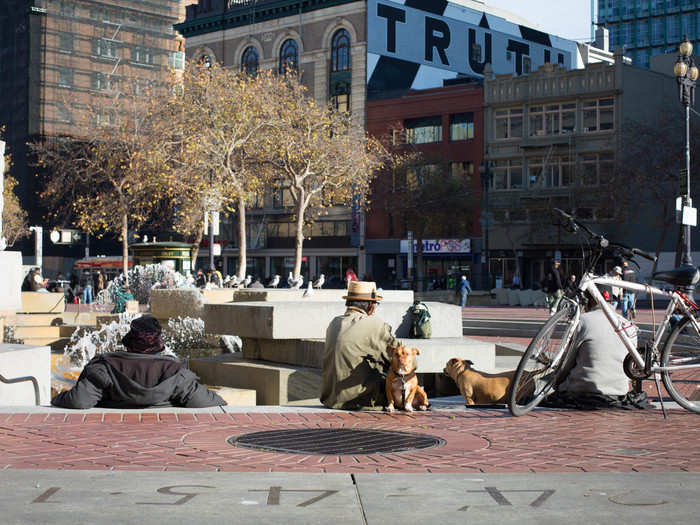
[{"x": 626, "y": 251}]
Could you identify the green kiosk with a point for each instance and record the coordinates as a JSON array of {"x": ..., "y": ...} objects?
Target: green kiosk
[{"x": 176, "y": 255}]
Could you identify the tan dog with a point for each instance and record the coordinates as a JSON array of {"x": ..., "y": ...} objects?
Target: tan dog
[
  {"x": 479, "y": 388},
  {"x": 402, "y": 387}
]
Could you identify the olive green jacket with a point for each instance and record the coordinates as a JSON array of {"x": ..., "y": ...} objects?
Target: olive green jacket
[{"x": 355, "y": 361}]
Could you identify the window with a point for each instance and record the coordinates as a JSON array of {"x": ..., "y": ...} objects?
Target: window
[
  {"x": 65, "y": 42},
  {"x": 289, "y": 56},
  {"x": 462, "y": 126},
  {"x": 552, "y": 119},
  {"x": 598, "y": 115},
  {"x": 657, "y": 30},
  {"x": 340, "y": 51},
  {"x": 65, "y": 77},
  {"x": 642, "y": 7},
  {"x": 673, "y": 28},
  {"x": 507, "y": 175},
  {"x": 424, "y": 130},
  {"x": 417, "y": 175},
  {"x": 341, "y": 102},
  {"x": 508, "y": 123},
  {"x": 142, "y": 55},
  {"x": 627, "y": 33},
  {"x": 105, "y": 48},
  {"x": 176, "y": 60},
  {"x": 615, "y": 35},
  {"x": 250, "y": 60},
  {"x": 642, "y": 33},
  {"x": 103, "y": 81},
  {"x": 66, "y": 7},
  {"x": 62, "y": 112},
  {"x": 462, "y": 170},
  {"x": 552, "y": 172},
  {"x": 688, "y": 26},
  {"x": 596, "y": 168},
  {"x": 657, "y": 6}
]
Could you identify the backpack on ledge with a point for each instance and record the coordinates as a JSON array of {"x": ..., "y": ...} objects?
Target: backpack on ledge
[{"x": 420, "y": 321}]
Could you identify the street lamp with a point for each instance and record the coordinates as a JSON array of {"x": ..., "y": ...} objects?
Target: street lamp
[
  {"x": 686, "y": 74},
  {"x": 485, "y": 174}
]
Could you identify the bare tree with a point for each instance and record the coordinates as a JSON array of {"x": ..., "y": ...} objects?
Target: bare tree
[
  {"x": 217, "y": 128},
  {"x": 111, "y": 179},
  {"x": 320, "y": 155}
]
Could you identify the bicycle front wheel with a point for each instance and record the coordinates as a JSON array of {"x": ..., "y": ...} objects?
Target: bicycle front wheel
[
  {"x": 682, "y": 348},
  {"x": 545, "y": 357}
]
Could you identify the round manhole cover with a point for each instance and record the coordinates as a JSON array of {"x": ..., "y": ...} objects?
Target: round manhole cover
[{"x": 335, "y": 441}]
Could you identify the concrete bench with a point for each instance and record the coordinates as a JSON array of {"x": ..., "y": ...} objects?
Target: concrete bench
[
  {"x": 22, "y": 361},
  {"x": 239, "y": 397},
  {"x": 43, "y": 302},
  {"x": 434, "y": 353},
  {"x": 274, "y": 384},
  {"x": 309, "y": 320}
]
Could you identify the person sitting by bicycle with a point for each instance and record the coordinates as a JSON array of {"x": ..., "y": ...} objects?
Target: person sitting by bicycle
[{"x": 594, "y": 377}]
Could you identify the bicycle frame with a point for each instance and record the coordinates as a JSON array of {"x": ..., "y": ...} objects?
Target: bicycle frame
[{"x": 589, "y": 283}]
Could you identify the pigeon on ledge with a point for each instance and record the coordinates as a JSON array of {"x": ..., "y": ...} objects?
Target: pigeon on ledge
[
  {"x": 274, "y": 281},
  {"x": 309, "y": 290},
  {"x": 318, "y": 283}
]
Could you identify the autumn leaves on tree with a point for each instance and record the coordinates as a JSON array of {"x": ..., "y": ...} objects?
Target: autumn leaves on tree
[{"x": 211, "y": 139}]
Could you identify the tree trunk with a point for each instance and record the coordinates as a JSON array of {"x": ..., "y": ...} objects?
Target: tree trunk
[
  {"x": 299, "y": 242},
  {"x": 125, "y": 248},
  {"x": 242, "y": 241},
  {"x": 197, "y": 242}
]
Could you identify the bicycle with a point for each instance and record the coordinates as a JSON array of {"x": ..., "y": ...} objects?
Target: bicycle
[{"x": 674, "y": 357}]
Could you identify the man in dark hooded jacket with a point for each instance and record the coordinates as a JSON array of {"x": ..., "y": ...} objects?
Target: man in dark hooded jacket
[{"x": 137, "y": 377}]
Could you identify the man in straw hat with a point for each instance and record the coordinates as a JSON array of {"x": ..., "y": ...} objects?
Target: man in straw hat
[{"x": 355, "y": 359}]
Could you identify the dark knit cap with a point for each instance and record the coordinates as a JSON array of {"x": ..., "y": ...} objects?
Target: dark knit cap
[{"x": 145, "y": 336}]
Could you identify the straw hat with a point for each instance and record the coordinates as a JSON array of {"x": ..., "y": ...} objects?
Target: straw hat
[{"x": 362, "y": 291}]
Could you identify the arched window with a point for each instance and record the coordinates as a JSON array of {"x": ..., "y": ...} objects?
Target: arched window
[
  {"x": 340, "y": 51},
  {"x": 340, "y": 76},
  {"x": 250, "y": 60},
  {"x": 289, "y": 56}
]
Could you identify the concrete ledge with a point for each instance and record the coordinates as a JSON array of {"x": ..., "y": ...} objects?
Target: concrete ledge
[
  {"x": 330, "y": 295},
  {"x": 309, "y": 320},
  {"x": 168, "y": 304},
  {"x": 434, "y": 353},
  {"x": 11, "y": 278},
  {"x": 42, "y": 302},
  {"x": 274, "y": 384},
  {"x": 25, "y": 360},
  {"x": 234, "y": 396},
  {"x": 218, "y": 295}
]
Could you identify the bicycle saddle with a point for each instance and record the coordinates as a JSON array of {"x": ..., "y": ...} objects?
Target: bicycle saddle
[{"x": 681, "y": 276}]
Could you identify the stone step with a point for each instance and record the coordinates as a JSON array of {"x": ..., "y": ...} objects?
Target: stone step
[
  {"x": 434, "y": 353},
  {"x": 327, "y": 295},
  {"x": 240, "y": 397},
  {"x": 274, "y": 384},
  {"x": 309, "y": 320},
  {"x": 44, "y": 332},
  {"x": 34, "y": 320}
]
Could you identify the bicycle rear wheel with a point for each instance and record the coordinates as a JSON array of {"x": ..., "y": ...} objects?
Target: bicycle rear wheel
[
  {"x": 545, "y": 357},
  {"x": 683, "y": 348}
]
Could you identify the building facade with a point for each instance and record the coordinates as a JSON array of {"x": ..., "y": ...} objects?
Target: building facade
[
  {"x": 445, "y": 127},
  {"x": 644, "y": 28},
  {"x": 57, "y": 56},
  {"x": 556, "y": 139},
  {"x": 387, "y": 49}
]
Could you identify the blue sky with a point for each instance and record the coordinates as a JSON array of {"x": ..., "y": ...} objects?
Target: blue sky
[{"x": 565, "y": 18}]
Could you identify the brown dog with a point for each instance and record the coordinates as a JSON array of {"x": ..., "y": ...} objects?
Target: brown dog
[
  {"x": 479, "y": 388},
  {"x": 402, "y": 387}
]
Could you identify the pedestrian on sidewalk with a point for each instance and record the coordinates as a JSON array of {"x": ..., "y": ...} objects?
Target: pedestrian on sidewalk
[
  {"x": 628, "y": 298},
  {"x": 464, "y": 290},
  {"x": 553, "y": 287}
]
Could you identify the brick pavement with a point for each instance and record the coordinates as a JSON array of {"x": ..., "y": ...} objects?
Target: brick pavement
[{"x": 488, "y": 441}]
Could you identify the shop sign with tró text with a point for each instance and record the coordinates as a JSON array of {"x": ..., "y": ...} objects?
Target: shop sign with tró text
[{"x": 435, "y": 246}]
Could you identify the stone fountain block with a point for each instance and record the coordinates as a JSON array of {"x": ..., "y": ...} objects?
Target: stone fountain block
[
  {"x": 434, "y": 353},
  {"x": 182, "y": 302},
  {"x": 309, "y": 319},
  {"x": 246, "y": 295},
  {"x": 20, "y": 361},
  {"x": 11, "y": 278},
  {"x": 274, "y": 384}
]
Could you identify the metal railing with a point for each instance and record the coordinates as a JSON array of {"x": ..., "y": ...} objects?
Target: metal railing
[{"x": 35, "y": 383}]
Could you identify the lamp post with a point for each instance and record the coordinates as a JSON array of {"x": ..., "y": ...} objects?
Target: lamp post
[
  {"x": 485, "y": 174},
  {"x": 686, "y": 74}
]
